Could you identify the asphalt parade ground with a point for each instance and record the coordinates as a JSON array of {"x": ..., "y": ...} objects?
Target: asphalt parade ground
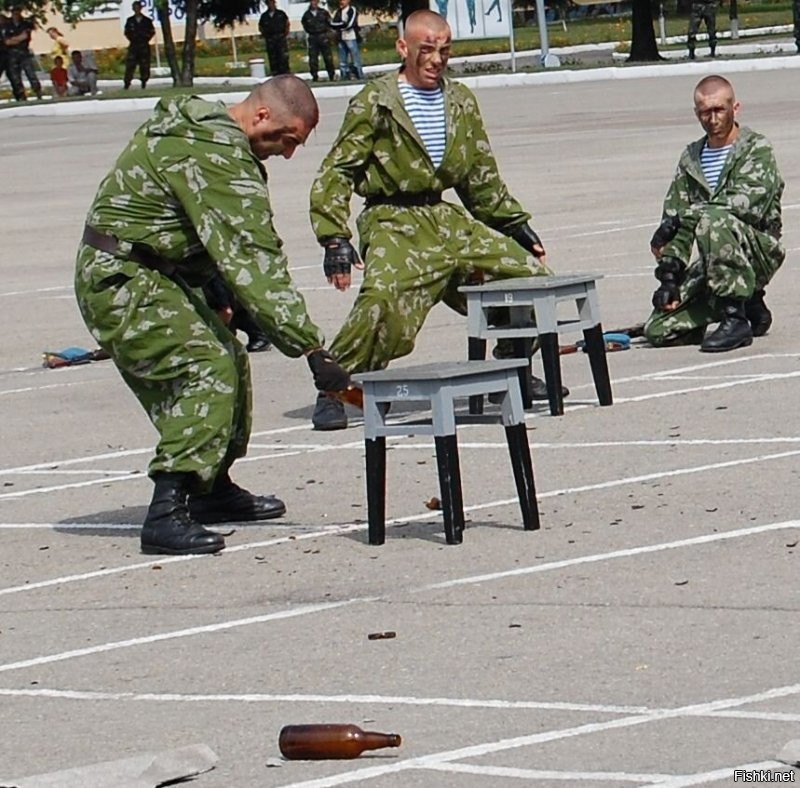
[{"x": 646, "y": 635}]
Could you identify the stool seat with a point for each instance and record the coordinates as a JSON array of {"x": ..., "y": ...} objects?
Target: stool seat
[
  {"x": 531, "y": 304},
  {"x": 440, "y": 385}
]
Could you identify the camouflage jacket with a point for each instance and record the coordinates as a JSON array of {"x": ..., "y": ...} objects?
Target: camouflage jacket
[
  {"x": 750, "y": 187},
  {"x": 188, "y": 187},
  {"x": 379, "y": 152}
]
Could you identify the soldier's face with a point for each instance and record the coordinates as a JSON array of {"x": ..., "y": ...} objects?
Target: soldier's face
[
  {"x": 425, "y": 53},
  {"x": 717, "y": 115},
  {"x": 272, "y": 136}
]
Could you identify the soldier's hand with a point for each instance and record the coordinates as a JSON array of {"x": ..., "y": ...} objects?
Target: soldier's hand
[
  {"x": 340, "y": 257},
  {"x": 328, "y": 375},
  {"x": 666, "y": 297},
  {"x": 664, "y": 233},
  {"x": 529, "y": 240}
]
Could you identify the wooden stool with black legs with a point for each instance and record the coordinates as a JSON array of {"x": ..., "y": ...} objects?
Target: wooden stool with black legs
[
  {"x": 441, "y": 385},
  {"x": 532, "y": 304}
]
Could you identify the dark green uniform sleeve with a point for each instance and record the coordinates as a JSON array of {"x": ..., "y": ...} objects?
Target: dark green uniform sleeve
[
  {"x": 483, "y": 192},
  {"x": 333, "y": 186},
  {"x": 232, "y": 217}
]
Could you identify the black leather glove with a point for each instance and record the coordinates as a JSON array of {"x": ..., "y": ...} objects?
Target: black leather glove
[
  {"x": 527, "y": 238},
  {"x": 665, "y": 232},
  {"x": 339, "y": 256},
  {"x": 328, "y": 375},
  {"x": 670, "y": 273}
]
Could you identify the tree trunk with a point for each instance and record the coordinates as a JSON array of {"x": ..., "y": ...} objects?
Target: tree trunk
[
  {"x": 189, "y": 44},
  {"x": 643, "y": 36},
  {"x": 162, "y": 9}
]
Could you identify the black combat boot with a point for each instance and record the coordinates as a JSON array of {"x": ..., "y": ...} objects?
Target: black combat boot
[
  {"x": 691, "y": 53},
  {"x": 713, "y": 50},
  {"x": 329, "y": 414},
  {"x": 758, "y": 314},
  {"x": 733, "y": 330},
  {"x": 168, "y": 527},
  {"x": 229, "y": 503}
]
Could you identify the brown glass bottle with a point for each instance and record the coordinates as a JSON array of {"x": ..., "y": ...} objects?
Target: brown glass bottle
[
  {"x": 324, "y": 742},
  {"x": 352, "y": 395}
]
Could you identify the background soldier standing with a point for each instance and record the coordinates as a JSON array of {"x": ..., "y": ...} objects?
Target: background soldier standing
[
  {"x": 139, "y": 30},
  {"x": 274, "y": 27},
  {"x": 703, "y": 11},
  {"x": 17, "y": 34},
  {"x": 316, "y": 22}
]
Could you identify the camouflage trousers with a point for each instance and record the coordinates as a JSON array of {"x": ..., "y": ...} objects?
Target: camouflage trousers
[
  {"x": 188, "y": 371},
  {"x": 703, "y": 12},
  {"x": 735, "y": 261},
  {"x": 416, "y": 257}
]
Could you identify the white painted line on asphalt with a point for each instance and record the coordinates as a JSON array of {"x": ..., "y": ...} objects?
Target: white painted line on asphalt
[
  {"x": 61, "y": 385},
  {"x": 78, "y": 471},
  {"x": 350, "y": 527},
  {"x": 543, "y": 774},
  {"x": 383, "y": 700},
  {"x": 478, "y": 750},
  {"x": 222, "y": 626},
  {"x": 627, "y": 552},
  {"x": 725, "y": 773},
  {"x": 308, "y": 609},
  {"x": 463, "y": 703},
  {"x": 15, "y": 293},
  {"x": 70, "y": 526},
  {"x": 73, "y": 485}
]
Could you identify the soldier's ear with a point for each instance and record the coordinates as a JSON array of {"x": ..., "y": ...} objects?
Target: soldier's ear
[
  {"x": 262, "y": 115},
  {"x": 402, "y": 48}
]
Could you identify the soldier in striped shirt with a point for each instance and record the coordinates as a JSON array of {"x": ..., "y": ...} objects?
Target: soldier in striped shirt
[
  {"x": 725, "y": 199},
  {"x": 406, "y": 137}
]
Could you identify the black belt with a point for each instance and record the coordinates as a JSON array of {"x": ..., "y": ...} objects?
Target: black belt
[
  {"x": 404, "y": 200},
  {"x": 139, "y": 253}
]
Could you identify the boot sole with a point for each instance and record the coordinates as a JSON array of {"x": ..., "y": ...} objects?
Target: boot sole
[
  {"x": 156, "y": 550},
  {"x": 744, "y": 343},
  {"x": 334, "y": 425},
  {"x": 227, "y": 517}
]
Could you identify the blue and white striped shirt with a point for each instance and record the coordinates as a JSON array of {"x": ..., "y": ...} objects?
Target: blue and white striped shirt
[
  {"x": 426, "y": 110},
  {"x": 712, "y": 161}
]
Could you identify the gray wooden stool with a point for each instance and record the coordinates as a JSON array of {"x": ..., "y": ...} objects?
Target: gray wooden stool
[
  {"x": 440, "y": 385},
  {"x": 541, "y": 296}
]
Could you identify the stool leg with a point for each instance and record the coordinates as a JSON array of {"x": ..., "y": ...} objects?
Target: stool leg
[
  {"x": 523, "y": 349},
  {"x": 476, "y": 351},
  {"x": 596, "y": 350},
  {"x": 548, "y": 344},
  {"x": 517, "y": 437},
  {"x": 376, "y": 489},
  {"x": 450, "y": 486}
]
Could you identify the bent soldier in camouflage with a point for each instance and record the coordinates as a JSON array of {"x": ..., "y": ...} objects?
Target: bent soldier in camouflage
[
  {"x": 186, "y": 200},
  {"x": 725, "y": 198},
  {"x": 417, "y": 248}
]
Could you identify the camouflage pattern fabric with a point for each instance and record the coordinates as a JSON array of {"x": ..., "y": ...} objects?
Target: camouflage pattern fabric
[
  {"x": 736, "y": 227},
  {"x": 415, "y": 256},
  {"x": 188, "y": 188},
  {"x": 703, "y": 12}
]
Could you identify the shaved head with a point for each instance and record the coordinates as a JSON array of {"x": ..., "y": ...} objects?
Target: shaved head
[
  {"x": 716, "y": 107},
  {"x": 425, "y": 49},
  {"x": 277, "y": 116},
  {"x": 425, "y": 21},
  {"x": 713, "y": 84},
  {"x": 287, "y": 96}
]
